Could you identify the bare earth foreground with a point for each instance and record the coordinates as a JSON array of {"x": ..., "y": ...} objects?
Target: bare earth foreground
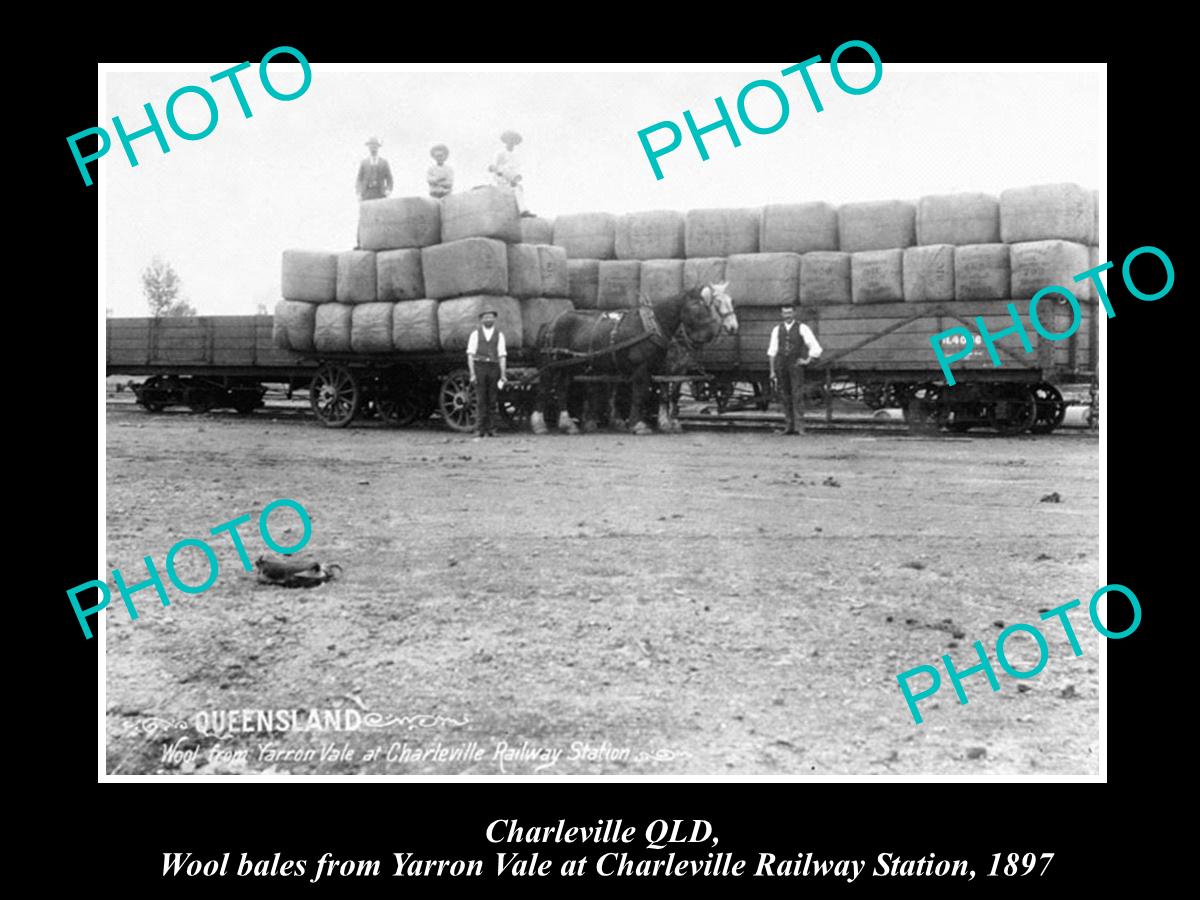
[{"x": 713, "y": 603}]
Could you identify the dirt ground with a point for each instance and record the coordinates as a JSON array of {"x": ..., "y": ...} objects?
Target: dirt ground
[{"x": 715, "y": 603}]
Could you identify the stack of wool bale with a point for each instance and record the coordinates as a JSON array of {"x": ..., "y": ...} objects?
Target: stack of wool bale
[{"x": 426, "y": 270}]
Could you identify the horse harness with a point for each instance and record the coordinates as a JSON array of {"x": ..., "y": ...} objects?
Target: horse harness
[{"x": 651, "y": 331}]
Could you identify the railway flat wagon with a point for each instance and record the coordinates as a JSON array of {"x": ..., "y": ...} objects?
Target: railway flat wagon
[
  {"x": 881, "y": 354},
  {"x": 214, "y": 362}
]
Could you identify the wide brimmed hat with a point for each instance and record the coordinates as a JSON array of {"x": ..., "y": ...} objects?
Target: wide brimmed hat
[
  {"x": 374, "y": 142},
  {"x": 488, "y": 312},
  {"x": 438, "y": 148},
  {"x": 511, "y": 136}
]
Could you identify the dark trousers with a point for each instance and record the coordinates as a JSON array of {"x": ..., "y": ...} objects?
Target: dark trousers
[
  {"x": 791, "y": 394},
  {"x": 486, "y": 396}
]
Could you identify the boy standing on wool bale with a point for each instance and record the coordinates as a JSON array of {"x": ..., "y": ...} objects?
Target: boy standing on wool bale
[
  {"x": 440, "y": 177},
  {"x": 487, "y": 358},
  {"x": 507, "y": 169},
  {"x": 797, "y": 345}
]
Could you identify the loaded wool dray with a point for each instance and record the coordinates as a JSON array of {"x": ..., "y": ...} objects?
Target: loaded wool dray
[{"x": 383, "y": 330}]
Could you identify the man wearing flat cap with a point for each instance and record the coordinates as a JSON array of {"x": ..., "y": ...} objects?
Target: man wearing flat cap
[
  {"x": 374, "y": 174},
  {"x": 487, "y": 359},
  {"x": 793, "y": 346}
]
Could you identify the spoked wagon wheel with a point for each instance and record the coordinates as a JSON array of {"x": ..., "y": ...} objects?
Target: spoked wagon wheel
[
  {"x": 398, "y": 407},
  {"x": 1013, "y": 411},
  {"x": 1051, "y": 409},
  {"x": 334, "y": 395},
  {"x": 456, "y": 401},
  {"x": 149, "y": 394}
]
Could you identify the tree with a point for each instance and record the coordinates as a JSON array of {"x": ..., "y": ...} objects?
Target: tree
[{"x": 161, "y": 284}]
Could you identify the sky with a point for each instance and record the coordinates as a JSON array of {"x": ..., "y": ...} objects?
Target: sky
[{"x": 222, "y": 209}]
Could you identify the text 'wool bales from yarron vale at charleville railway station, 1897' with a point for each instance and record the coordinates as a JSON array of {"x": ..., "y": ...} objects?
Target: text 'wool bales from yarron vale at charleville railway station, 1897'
[{"x": 726, "y": 121}]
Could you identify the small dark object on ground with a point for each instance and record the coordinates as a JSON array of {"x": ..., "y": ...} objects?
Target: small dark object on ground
[
  {"x": 831, "y": 482},
  {"x": 287, "y": 573},
  {"x": 976, "y": 752},
  {"x": 1055, "y": 497}
]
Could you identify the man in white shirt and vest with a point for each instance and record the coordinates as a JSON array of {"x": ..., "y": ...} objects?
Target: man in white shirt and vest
[
  {"x": 487, "y": 359},
  {"x": 793, "y": 346}
]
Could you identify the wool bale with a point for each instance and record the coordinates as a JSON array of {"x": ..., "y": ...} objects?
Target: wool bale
[
  {"x": 399, "y": 223},
  {"x": 356, "y": 274},
  {"x": 487, "y": 212},
  {"x": 763, "y": 279},
  {"x": 459, "y": 317},
  {"x": 473, "y": 265},
  {"x": 331, "y": 330},
  {"x": 586, "y": 235},
  {"x": 958, "y": 219},
  {"x": 1064, "y": 212},
  {"x": 1086, "y": 289},
  {"x": 929, "y": 273},
  {"x": 398, "y": 275},
  {"x": 981, "y": 272},
  {"x": 620, "y": 281},
  {"x": 703, "y": 271},
  {"x": 310, "y": 276},
  {"x": 824, "y": 278},
  {"x": 662, "y": 279},
  {"x": 1039, "y": 264},
  {"x": 876, "y": 276},
  {"x": 536, "y": 230},
  {"x": 371, "y": 328},
  {"x": 1095, "y": 218},
  {"x": 524, "y": 271},
  {"x": 798, "y": 228},
  {"x": 649, "y": 235},
  {"x": 553, "y": 264},
  {"x": 583, "y": 282},
  {"x": 536, "y": 312},
  {"x": 293, "y": 325},
  {"x": 882, "y": 225},
  {"x": 720, "y": 232},
  {"x": 415, "y": 326}
]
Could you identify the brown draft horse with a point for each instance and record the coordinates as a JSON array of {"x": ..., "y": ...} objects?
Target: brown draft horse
[{"x": 628, "y": 342}]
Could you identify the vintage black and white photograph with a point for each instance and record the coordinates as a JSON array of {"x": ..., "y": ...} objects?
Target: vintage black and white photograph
[{"x": 616, "y": 422}]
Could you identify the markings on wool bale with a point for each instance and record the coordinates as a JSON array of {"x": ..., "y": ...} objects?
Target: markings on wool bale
[
  {"x": 928, "y": 273},
  {"x": 721, "y": 232},
  {"x": 875, "y": 276},
  {"x": 583, "y": 282},
  {"x": 1036, "y": 264},
  {"x": 763, "y": 279},
  {"x": 824, "y": 278},
  {"x": 662, "y": 279},
  {"x": 619, "y": 283},
  {"x": 982, "y": 272},
  {"x": 649, "y": 235}
]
